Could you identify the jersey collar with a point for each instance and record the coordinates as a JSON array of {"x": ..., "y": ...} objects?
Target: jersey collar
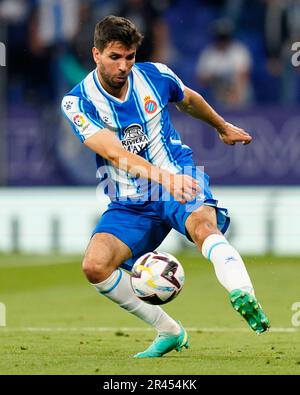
[{"x": 108, "y": 95}]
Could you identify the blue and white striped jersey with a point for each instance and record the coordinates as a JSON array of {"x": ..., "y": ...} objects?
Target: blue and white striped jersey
[{"x": 141, "y": 121}]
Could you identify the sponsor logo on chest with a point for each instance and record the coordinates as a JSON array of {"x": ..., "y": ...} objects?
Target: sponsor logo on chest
[{"x": 134, "y": 140}]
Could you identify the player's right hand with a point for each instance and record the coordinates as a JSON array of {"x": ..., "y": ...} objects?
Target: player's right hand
[{"x": 183, "y": 187}]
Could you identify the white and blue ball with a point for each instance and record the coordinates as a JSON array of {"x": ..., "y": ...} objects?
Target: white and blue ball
[{"x": 157, "y": 277}]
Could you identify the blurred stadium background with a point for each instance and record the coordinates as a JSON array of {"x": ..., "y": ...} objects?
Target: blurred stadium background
[{"x": 236, "y": 53}]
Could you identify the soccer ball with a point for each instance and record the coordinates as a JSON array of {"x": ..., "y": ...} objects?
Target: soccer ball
[{"x": 157, "y": 277}]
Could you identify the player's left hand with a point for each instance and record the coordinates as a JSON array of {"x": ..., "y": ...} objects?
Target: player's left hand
[{"x": 231, "y": 134}]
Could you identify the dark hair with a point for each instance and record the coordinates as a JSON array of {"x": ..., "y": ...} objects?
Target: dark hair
[{"x": 116, "y": 28}]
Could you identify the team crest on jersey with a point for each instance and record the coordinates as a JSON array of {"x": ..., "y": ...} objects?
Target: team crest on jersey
[
  {"x": 150, "y": 105},
  {"x": 134, "y": 139},
  {"x": 80, "y": 121},
  {"x": 68, "y": 105}
]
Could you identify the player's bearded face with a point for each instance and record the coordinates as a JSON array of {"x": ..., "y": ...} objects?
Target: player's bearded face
[{"x": 115, "y": 63}]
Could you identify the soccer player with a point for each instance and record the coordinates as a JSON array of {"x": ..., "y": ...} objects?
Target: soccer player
[{"x": 120, "y": 112}]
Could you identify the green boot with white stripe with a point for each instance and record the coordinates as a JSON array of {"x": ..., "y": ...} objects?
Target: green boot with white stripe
[{"x": 249, "y": 308}]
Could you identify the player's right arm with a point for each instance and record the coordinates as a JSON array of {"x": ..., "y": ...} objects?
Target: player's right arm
[
  {"x": 104, "y": 142},
  {"x": 107, "y": 145}
]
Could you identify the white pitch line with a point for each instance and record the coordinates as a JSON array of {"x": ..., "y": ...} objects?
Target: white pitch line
[
  {"x": 133, "y": 329},
  {"x": 36, "y": 263}
]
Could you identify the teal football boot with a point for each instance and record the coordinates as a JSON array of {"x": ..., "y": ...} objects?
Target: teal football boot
[
  {"x": 249, "y": 308},
  {"x": 164, "y": 343}
]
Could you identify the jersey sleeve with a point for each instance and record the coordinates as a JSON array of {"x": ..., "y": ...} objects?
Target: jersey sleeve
[
  {"x": 176, "y": 86},
  {"x": 82, "y": 116}
]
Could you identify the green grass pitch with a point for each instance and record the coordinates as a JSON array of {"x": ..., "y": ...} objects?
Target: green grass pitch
[{"x": 57, "y": 324}]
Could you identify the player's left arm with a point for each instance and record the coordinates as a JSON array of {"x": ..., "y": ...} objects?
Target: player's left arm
[{"x": 195, "y": 105}]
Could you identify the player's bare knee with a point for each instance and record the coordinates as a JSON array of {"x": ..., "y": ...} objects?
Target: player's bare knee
[
  {"x": 202, "y": 230},
  {"x": 96, "y": 269},
  {"x": 89, "y": 267}
]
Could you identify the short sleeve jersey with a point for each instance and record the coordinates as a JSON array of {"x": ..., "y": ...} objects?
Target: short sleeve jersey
[{"x": 141, "y": 121}]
